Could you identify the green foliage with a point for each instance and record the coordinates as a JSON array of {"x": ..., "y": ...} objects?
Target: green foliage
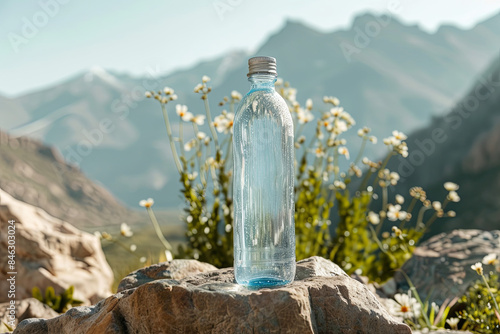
[
  {"x": 479, "y": 310},
  {"x": 59, "y": 303},
  {"x": 360, "y": 242}
]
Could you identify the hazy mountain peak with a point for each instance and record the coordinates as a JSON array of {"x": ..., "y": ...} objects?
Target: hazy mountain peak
[
  {"x": 366, "y": 17},
  {"x": 492, "y": 22},
  {"x": 294, "y": 26},
  {"x": 97, "y": 72}
]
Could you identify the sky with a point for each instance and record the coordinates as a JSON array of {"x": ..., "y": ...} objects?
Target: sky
[{"x": 43, "y": 42}]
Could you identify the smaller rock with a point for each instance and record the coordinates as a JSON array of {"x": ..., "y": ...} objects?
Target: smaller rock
[
  {"x": 440, "y": 268},
  {"x": 25, "y": 309},
  {"x": 176, "y": 269}
]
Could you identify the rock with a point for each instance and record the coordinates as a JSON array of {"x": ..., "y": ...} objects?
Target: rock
[
  {"x": 440, "y": 267},
  {"x": 50, "y": 252},
  {"x": 177, "y": 270},
  {"x": 322, "y": 299},
  {"x": 25, "y": 309}
]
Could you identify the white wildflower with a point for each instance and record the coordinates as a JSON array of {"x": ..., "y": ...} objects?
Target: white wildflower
[
  {"x": 453, "y": 196},
  {"x": 339, "y": 184},
  {"x": 198, "y": 119},
  {"x": 147, "y": 203},
  {"x": 395, "y": 213},
  {"x": 453, "y": 322},
  {"x": 373, "y": 218},
  {"x": 450, "y": 186},
  {"x": 436, "y": 205},
  {"x": 344, "y": 151},
  {"x": 304, "y": 116},
  {"x": 404, "y": 306},
  {"x": 490, "y": 259},
  {"x": 188, "y": 146},
  {"x": 182, "y": 111},
  {"x": 478, "y": 267},
  {"x": 309, "y": 104},
  {"x": 125, "y": 230},
  {"x": 400, "y": 199},
  {"x": 235, "y": 95}
]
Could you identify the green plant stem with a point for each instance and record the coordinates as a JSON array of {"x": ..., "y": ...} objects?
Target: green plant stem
[
  {"x": 417, "y": 297},
  {"x": 199, "y": 155},
  {"x": 170, "y": 138},
  {"x": 364, "y": 183},
  {"x": 384, "y": 198},
  {"x": 336, "y": 168},
  {"x": 164, "y": 241},
  {"x": 384, "y": 164},
  {"x": 430, "y": 221},
  {"x": 379, "y": 243},
  {"x": 491, "y": 293},
  {"x": 361, "y": 150},
  {"x": 181, "y": 137},
  {"x": 420, "y": 217},
  {"x": 229, "y": 149},
  {"x": 412, "y": 205},
  {"x": 210, "y": 123}
]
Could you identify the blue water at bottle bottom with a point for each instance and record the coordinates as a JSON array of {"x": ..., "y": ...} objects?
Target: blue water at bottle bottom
[
  {"x": 266, "y": 282},
  {"x": 263, "y": 274}
]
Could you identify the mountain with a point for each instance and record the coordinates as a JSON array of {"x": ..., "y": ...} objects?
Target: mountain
[
  {"x": 464, "y": 147},
  {"x": 36, "y": 174},
  {"x": 393, "y": 76}
]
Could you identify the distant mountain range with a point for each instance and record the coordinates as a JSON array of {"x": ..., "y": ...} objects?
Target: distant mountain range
[
  {"x": 464, "y": 147},
  {"x": 398, "y": 78},
  {"x": 36, "y": 174}
]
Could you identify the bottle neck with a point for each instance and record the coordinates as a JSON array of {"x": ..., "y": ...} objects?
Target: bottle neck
[{"x": 262, "y": 81}]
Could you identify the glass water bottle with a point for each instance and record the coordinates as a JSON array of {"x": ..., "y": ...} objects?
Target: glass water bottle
[{"x": 263, "y": 193}]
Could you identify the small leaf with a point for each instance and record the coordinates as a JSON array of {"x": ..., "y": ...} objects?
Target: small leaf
[{"x": 37, "y": 294}]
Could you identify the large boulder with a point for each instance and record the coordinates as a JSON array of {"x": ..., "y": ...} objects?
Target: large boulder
[
  {"x": 50, "y": 252},
  {"x": 440, "y": 267},
  {"x": 322, "y": 299}
]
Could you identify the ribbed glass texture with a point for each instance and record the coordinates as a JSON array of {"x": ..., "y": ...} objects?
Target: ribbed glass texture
[{"x": 264, "y": 228}]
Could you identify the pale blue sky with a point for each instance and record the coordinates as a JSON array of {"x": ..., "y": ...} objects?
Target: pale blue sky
[{"x": 132, "y": 36}]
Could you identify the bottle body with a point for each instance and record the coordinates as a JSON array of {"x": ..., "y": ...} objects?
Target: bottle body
[{"x": 263, "y": 188}]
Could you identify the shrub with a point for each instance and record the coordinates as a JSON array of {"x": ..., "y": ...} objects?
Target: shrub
[
  {"x": 59, "y": 303},
  {"x": 481, "y": 312},
  {"x": 360, "y": 242}
]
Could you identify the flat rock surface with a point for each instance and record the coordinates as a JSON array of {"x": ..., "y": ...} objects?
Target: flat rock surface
[
  {"x": 177, "y": 270},
  {"x": 322, "y": 299},
  {"x": 440, "y": 267}
]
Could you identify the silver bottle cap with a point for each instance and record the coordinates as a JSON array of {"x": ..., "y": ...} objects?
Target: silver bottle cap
[{"x": 262, "y": 65}]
